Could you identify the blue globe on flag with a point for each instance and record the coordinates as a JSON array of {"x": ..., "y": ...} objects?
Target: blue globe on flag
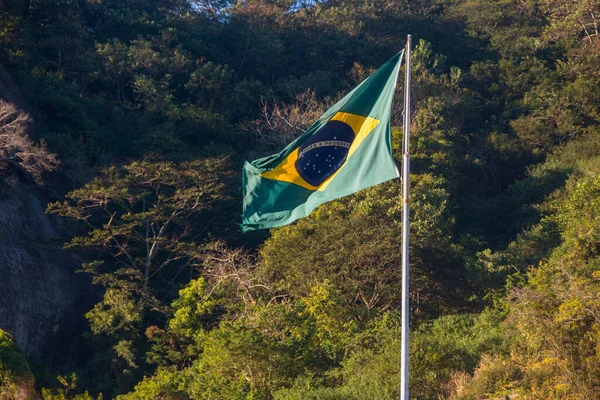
[{"x": 325, "y": 152}]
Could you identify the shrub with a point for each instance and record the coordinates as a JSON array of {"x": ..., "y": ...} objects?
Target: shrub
[{"x": 16, "y": 379}]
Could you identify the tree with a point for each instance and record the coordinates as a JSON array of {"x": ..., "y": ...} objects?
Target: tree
[
  {"x": 354, "y": 244},
  {"x": 17, "y": 146},
  {"x": 141, "y": 220}
]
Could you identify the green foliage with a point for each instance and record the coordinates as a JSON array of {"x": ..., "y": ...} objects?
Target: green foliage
[
  {"x": 16, "y": 378},
  {"x": 137, "y": 98},
  {"x": 67, "y": 390},
  {"x": 140, "y": 216},
  {"x": 141, "y": 219},
  {"x": 346, "y": 242},
  {"x": 265, "y": 348},
  {"x": 164, "y": 384},
  {"x": 439, "y": 350},
  {"x": 552, "y": 307}
]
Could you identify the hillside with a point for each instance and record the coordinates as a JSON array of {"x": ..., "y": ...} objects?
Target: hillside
[{"x": 134, "y": 122}]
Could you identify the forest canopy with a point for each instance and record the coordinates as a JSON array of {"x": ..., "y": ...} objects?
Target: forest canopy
[{"x": 150, "y": 107}]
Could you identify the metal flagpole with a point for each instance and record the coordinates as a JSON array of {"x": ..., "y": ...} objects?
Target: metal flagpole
[{"x": 405, "y": 192}]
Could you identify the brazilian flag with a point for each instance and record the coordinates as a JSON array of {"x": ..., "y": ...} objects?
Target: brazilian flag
[{"x": 346, "y": 150}]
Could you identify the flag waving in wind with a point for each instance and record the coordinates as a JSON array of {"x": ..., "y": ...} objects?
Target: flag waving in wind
[{"x": 346, "y": 150}]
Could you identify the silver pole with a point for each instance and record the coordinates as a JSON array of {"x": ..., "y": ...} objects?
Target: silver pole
[{"x": 405, "y": 193}]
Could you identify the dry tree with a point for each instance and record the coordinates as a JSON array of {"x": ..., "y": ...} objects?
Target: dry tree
[{"x": 17, "y": 146}]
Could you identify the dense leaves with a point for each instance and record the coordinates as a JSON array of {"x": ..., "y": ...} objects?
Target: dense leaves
[
  {"x": 15, "y": 375},
  {"x": 136, "y": 102}
]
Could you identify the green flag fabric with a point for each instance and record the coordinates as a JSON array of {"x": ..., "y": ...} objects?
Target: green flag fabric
[{"x": 346, "y": 150}]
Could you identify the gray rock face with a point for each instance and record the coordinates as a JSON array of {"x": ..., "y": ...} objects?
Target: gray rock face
[
  {"x": 39, "y": 290},
  {"x": 37, "y": 283}
]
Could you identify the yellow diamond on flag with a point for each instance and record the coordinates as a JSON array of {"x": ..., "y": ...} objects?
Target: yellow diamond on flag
[{"x": 314, "y": 164}]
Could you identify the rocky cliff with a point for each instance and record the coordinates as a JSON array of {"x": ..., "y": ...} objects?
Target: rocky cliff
[{"x": 39, "y": 290}]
